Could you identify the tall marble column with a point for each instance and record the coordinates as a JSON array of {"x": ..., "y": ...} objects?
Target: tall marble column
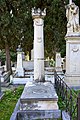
[
  {"x": 72, "y": 76},
  {"x": 38, "y": 16},
  {"x": 19, "y": 68}
]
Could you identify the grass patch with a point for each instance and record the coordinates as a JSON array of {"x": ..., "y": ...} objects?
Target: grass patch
[
  {"x": 70, "y": 104},
  {"x": 7, "y": 104}
]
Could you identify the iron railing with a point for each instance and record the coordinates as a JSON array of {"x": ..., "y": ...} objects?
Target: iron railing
[{"x": 70, "y": 100}]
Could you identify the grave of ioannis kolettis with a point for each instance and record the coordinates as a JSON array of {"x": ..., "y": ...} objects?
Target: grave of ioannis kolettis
[
  {"x": 39, "y": 98},
  {"x": 39, "y": 95}
]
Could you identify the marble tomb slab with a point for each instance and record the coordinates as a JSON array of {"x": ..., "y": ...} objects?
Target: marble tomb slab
[{"x": 40, "y": 96}]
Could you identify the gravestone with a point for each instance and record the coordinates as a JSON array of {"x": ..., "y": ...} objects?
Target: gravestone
[
  {"x": 39, "y": 98},
  {"x": 19, "y": 68},
  {"x": 58, "y": 62},
  {"x": 72, "y": 38}
]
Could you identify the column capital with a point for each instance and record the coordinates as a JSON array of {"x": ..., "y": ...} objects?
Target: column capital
[{"x": 38, "y": 13}]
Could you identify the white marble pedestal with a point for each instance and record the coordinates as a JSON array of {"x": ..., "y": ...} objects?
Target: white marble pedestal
[
  {"x": 19, "y": 69},
  {"x": 72, "y": 76}
]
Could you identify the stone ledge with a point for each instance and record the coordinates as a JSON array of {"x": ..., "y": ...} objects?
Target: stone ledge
[
  {"x": 39, "y": 114},
  {"x": 39, "y": 91}
]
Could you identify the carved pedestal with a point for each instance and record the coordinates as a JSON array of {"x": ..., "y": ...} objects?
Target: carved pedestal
[
  {"x": 72, "y": 76},
  {"x": 19, "y": 69}
]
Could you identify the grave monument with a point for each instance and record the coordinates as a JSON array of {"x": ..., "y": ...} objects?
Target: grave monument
[
  {"x": 72, "y": 76},
  {"x": 58, "y": 62},
  {"x": 38, "y": 94},
  {"x": 39, "y": 98},
  {"x": 38, "y": 16},
  {"x": 19, "y": 68}
]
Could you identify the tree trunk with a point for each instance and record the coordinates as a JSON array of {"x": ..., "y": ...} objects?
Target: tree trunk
[{"x": 8, "y": 61}]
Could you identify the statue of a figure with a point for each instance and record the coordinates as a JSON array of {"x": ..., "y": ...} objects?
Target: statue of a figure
[
  {"x": 19, "y": 49},
  {"x": 72, "y": 14}
]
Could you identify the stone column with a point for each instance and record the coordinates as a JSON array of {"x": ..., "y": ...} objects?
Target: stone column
[
  {"x": 72, "y": 76},
  {"x": 58, "y": 62},
  {"x": 38, "y": 16},
  {"x": 19, "y": 68}
]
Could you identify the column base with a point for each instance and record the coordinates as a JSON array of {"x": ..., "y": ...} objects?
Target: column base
[
  {"x": 72, "y": 80},
  {"x": 59, "y": 70},
  {"x": 20, "y": 72}
]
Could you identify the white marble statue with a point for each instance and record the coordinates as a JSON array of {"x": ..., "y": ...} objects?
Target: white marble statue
[{"x": 72, "y": 14}]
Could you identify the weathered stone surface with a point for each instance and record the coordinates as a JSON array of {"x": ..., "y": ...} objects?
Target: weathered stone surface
[
  {"x": 40, "y": 96},
  {"x": 65, "y": 116},
  {"x": 38, "y": 16},
  {"x": 35, "y": 115},
  {"x": 39, "y": 91},
  {"x": 72, "y": 76},
  {"x": 14, "y": 114}
]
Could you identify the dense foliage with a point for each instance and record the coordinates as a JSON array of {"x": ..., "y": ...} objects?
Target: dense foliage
[{"x": 16, "y": 25}]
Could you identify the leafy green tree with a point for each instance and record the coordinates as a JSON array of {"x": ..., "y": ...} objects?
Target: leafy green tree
[{"x": 16, "y": 26}]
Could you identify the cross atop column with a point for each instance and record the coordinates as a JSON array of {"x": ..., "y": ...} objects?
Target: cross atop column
[{"x": 70, "y": 1}]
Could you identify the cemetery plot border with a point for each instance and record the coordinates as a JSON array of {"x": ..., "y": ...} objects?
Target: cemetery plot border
[{"x": 36, "y": 115}]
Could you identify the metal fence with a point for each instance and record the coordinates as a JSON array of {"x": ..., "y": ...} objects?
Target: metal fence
[{"x": 70, "y": 100}]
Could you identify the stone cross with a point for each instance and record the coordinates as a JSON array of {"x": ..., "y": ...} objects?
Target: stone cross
[{"x": 38, "y": 16}]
